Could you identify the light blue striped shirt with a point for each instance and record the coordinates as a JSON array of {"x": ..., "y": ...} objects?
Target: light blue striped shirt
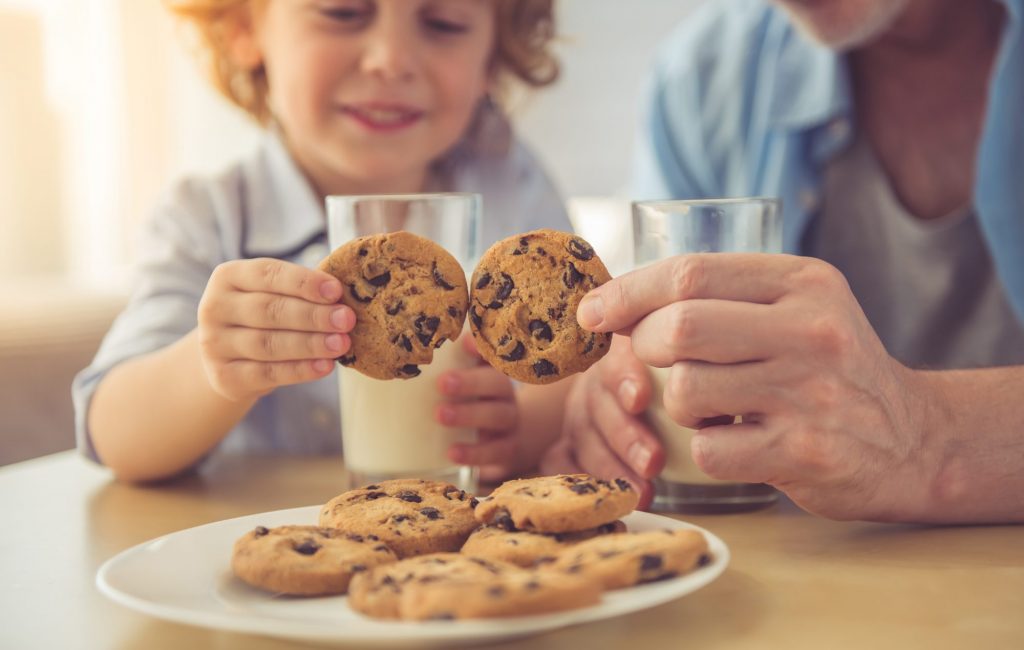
[
  {"x": 265, "y": 207},
  {"x": 743, "y": 104}
]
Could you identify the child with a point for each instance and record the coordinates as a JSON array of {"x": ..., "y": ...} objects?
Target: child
[{"x": 230, "y": 336}]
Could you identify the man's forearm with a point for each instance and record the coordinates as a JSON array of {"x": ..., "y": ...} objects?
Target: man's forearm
[
  {"x": 978, "y": 420},
  {"x": 156, "y": 415}
]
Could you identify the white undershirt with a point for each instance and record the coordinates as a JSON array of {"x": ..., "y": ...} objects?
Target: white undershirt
[{"x": 927, "y": 286}]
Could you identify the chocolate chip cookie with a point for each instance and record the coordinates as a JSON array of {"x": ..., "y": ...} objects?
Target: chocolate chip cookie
[
  {"x": 513, "y": 594},
  {"x": 305, "y": 560},
  {"x": 412, "y": 516},
  {"x": 377, "y": 593},
  {"x": 629, "y": 559},
  {"x": 409, "y": 296},
  {"x": 522, "y": 308},
  {"x": 445, "y": 586},
  {"x": 557, "y": 504},
  {"x": 527, "y": 549}
]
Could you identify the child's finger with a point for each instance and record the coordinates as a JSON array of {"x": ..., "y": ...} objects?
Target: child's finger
[
  {"x": 468, "y": 344},
  {"x": 480, "y": 382},
  {"x": 258, "y": 376},
  {"x": 490, "y": 452},
  {"x": 277, "y": 276},
  {"x": 497, "y": 416},
  {"x": 275, "y": 345},
  {"x": 275, "y": 311}
]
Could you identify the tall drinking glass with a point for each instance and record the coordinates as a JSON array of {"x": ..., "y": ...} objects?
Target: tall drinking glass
[
  {"x": 663, "y": 229},
  {"x": 388, "y": 428}
]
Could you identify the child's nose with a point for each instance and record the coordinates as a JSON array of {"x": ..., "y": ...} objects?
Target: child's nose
[{"x": 390, "y": 53}]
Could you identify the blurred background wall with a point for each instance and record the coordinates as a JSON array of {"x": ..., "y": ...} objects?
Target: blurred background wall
[{"x": 101, "y": 108}]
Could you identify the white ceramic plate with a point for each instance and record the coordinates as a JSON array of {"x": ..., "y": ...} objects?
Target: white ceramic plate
[{"x": 186, "y": 577}]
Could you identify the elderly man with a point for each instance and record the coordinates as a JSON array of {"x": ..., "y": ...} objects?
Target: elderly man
[{"x": 881, "y": 375}]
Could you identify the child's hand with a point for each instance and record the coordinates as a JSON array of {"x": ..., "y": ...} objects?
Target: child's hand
[
  {"x": 483, "y": 399},
  {"x": 265, "y": 323}
]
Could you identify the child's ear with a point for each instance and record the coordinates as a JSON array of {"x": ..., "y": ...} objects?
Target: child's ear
[{"x": 242, "y": 39}]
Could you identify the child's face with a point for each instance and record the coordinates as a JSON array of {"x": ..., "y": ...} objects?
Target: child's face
[{"x": 370, "y": 92}]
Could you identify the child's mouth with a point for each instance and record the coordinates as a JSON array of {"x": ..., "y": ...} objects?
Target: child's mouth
[{"x": 381, "y": 117}]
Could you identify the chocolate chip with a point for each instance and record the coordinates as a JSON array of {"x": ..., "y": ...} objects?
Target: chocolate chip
[
  {"x": 475, "y": 318},
  {"x": 355, "y": 294},
  {"x": 583, "y": 488},
  {"x": 650, "y": 562},
  {"x": 590, "y": 344},
  {"x": 381, "y": 280},
  {"x": 532, "y": 585},
  {"x": 484, "y": 280},
  {"x": 373, "y": 538},
  {"x": 524, "y": 246},
  {"x": 497, "y": 591},
  {"x": 571, "y": 277},
  {"x": 558, "y": 312},
  {"x": 474, "y": 502},
  {"x": 363, "y": 252},
  {"x": 381, "y": 548},
  {"x": 580, "y": 249},
  {"x": 372, "y": 496},
  {"x": 495, "y": 304},
  {"x": 453, "y": 311},
  {"x": 395, "y": 308},
  {"x": 307, "y": 547},
  {"x": 623, "y": 484},
  {"x": 575, "y": 568},
  {"x": 439, "y": 279},
  {"x": 355, "y": 538},
  {"x": 703, "y": 560},
  {"x": 400, "y": 518},
  {"x": 408, "y": 495},
  {"x": 260, "y": 531},
  {"x": 403, "y": 341},
  {"x": 372, "y": 487},
  {"x": 409, "y": 370},
  {"x": 431, "y": 513},
  {"x": 541, "y": 330},
  {"x": 507, "y": 285},
  {"x": 358, "y": 568},
  {"x": 543, "y": 368},
  {"x": 346, "y": 360},
  {"x": 503, "y": 520},
  {"x": 517, "y": 352},
  {"x": 541, "y": 251},
  {"x": 485, "y": 564}
]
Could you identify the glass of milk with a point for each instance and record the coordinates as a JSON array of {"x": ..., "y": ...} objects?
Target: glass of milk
[
  {"x": 388, "y": 428},
  {"x": 663, "y": 229}
]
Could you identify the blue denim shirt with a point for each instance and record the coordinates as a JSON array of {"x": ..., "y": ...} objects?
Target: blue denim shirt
[
  {"x": 264, "y": 207},
  {"x": 742, "y": 104}
]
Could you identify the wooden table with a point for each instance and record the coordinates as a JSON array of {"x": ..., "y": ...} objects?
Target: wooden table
[{"x": 795, "y": 581}]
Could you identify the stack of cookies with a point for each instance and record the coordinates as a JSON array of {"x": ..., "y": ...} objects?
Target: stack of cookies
[{"x": 425, "y": 550}]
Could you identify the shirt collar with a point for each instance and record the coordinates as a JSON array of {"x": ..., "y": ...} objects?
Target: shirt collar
[{"x": 283, "y": 213}]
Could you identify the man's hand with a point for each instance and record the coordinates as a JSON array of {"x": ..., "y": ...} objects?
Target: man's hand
[{"x": 829, "y": 417}]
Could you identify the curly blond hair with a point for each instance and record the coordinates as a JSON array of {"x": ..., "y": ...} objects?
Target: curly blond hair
[{"x": 525, "y": 30}]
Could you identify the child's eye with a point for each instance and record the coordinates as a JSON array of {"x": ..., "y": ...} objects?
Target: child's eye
[
  {"x": 347, "y": 13},
  {"x": 443, "y": 26}
]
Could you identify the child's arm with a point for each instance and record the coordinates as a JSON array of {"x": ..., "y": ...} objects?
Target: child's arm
[{"x": 263, "y": 323}]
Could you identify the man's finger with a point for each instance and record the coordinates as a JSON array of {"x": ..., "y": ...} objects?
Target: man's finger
[
  {"x": 748, "y": 277},
  {"x": 717, "y": 331}
]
